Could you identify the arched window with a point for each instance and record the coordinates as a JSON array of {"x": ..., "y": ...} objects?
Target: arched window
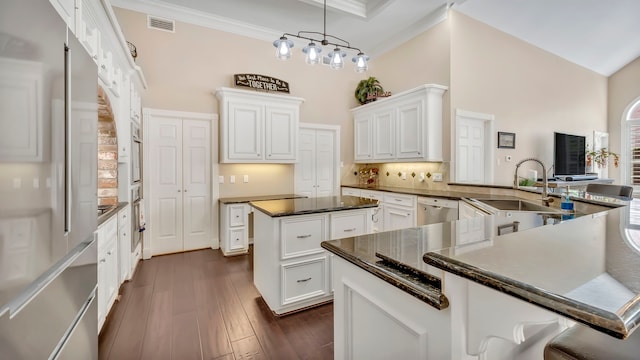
[{"x": 631, "y": 146}]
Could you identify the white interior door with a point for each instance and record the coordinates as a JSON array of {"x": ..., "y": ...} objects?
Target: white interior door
[
  {"x": 473, "y": 148},
  {"x": 317, "y": 169},
  {"x": 166, "y": 184},
  {"x": 196, "y": 175},
  {"x": 305, "y": 169},
  {"x": 325, "y": 162}
]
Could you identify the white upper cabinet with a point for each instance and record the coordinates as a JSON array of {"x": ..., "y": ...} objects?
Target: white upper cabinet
[
  {"x": 363, "y": 137},
  {"x": 67, "y": 11},
  {"x": 404, "y": 127},
  {"x": 258, "y": 127}
]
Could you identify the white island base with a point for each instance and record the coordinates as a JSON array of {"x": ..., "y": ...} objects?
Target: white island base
[{"x": 376, "y": 320}]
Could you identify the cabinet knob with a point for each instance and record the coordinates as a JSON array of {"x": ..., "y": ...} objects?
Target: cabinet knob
[
  {"x": 103, "y": 260},
  {"x": 258, "y": 155},
  {"x": 185, "y": 190},
  {"x": 269, "y": 155},
  {"x": 179, "y": 190}
]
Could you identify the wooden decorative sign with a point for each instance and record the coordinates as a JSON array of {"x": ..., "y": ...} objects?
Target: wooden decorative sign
[{"x": 261, "y": 82}]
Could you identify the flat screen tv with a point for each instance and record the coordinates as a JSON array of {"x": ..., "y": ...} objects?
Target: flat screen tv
[{"x": 569, "y": 154}]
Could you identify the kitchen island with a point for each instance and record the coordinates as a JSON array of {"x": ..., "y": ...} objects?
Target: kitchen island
[
  {"x": 438, "y": 295},
  {"x": 291, "y": 270}
]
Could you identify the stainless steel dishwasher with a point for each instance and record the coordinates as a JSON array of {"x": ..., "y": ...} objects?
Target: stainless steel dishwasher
[{"x": 436, "y": 210}]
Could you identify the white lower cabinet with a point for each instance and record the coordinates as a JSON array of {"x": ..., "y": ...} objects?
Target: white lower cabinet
[
  {"x": 375, "y": 320},
  {"x": 399, "y": 211},
  {"x": 234, "y": 232},
  {"x": 291, "y": 270},
  {"x": 124, "y": 243},
  {"x": 108, "y": 283}
]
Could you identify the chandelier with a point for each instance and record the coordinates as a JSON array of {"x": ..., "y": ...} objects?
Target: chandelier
[{"x": 312, "y": 51}]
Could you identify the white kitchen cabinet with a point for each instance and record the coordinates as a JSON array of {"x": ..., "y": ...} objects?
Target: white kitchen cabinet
[
  {"x": 179, "y": 174},
  {"x": 67, "y": 10},
  {"x": 108, "y": 284},
  {"x": 350, "y": 223},
  {"x": 377, "y": 215},
  {"x": 124, "y": 244},
  {"x": 135, "y": 105},
  {"x": 376, "y": 320},
  {"x": 291, "y": 270},
  {"x": 399, "y": 211},
  {"x": 466, "y": 211},
  {"x": 317, "y": 166},
  {"x": 258, "y": 127},
  {"x": 351, "y": 191},
  {"x": 234, "y": 229},
  {"x": 384, "y": 134},
  {"x": 21, "y": 98},
  {"x": 403, "y": 127},
  {"x": 363, "y": 137}
]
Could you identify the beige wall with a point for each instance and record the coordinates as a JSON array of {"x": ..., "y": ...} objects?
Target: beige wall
[
  {"x": 530, "y": 91},
  {"x": 184, "y": 68},
  {"x": 624, "y": 88}
]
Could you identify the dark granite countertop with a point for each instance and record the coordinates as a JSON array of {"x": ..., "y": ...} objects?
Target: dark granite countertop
[
  {"x": 112, "y": 212},
  {"x": 247, "y": 199},
  {"x": 301, "y": 206},
  {"x": 585, "y": 269},
  {"x": 601, "y": 200}
]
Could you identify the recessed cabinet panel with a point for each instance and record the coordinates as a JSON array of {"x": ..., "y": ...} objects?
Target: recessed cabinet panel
[
  {"x": 348, "y": 225},
  {"x": 403, "y": 127},
  {"x": 302, "y": 235},
  {"x": 258, "y": 127},
  {"x": 304, "y": 279},
  {"x": 236, "y": 215},
  {"x": 236, "y": 239}
]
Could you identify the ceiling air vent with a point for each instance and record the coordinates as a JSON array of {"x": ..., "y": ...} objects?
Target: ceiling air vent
[{"x": 158, "y": 23}]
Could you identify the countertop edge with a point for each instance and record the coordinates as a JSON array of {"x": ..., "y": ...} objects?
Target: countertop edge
[
  {"x": 111, "y": 213},
  {"x": 310, "y": 212},
  {"x": 422, "y": 291},
  {"x": 603, "y": 321}
]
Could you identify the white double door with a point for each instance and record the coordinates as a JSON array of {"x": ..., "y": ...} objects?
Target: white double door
[
  {"x": 317, "y": 166},
  {"x": 180, "y": 182}
]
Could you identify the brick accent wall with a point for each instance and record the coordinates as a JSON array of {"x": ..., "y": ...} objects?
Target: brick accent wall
[{"x": 107, "y": 152}]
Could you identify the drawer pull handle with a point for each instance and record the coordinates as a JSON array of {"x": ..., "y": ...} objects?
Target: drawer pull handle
[
  {"x": 398, "y": 199},
  {"x": 303, "y": 236},
  {"x": 103, "y": 260},
  {"x": 303, "y": 280},
  {"x": 348, "y": 230}
]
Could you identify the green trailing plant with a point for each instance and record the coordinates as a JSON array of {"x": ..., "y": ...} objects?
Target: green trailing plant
[
  {"x": 366, "y": 87},
  {"x": 600, "y": 157}
]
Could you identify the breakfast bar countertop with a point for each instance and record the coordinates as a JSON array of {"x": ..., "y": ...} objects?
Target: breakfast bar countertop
[
  {"x": 585, "y": 269},
  {"x": 302, "y": 206}
]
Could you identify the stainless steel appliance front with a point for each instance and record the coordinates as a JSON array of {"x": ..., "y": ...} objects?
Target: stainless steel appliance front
[
  {"x": 436, "y": 210},
  {"x": 48, "y": 254}
]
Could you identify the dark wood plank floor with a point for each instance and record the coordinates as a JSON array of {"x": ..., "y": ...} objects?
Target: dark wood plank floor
[{"x": 201, "y": 305}]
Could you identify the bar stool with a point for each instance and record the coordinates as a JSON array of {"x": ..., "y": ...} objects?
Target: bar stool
[
  {"x": 608, "y": 189},
  {"x": 583, "y": 343}
]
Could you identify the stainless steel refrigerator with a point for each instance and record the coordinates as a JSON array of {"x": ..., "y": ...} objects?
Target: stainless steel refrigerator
[{"x": 48, "y": 177}]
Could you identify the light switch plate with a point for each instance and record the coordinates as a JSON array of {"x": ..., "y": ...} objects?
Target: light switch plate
[
  {"x": 245, "y": 178},
  {"x": 232, "y": 179},
  {"x": 221, "y": 179}
]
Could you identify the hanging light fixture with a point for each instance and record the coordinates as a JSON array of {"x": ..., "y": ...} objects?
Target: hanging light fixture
[{"x": 312, "y": 51}]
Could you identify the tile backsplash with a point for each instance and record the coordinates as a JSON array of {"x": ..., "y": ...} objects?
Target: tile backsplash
[{"x": 407, "y": 175}]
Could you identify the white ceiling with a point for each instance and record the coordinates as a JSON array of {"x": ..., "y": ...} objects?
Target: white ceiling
[{"x": 601, "y": 35}]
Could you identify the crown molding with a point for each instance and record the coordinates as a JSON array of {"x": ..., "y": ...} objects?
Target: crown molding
[{"x": 200, "y": 18}]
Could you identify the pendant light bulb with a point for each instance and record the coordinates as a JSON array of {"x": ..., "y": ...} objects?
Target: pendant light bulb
[
  {"x": 312, "y": 52},
  {"x": 283, "y": 48},
  {"x": 361, "y": 62},
  {"x": 336, "y": 61}
]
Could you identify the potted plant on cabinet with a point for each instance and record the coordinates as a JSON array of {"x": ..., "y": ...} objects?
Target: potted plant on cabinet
[{"x": 366, "y": 87}]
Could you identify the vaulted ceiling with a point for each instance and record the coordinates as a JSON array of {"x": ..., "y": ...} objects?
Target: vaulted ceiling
[{"x": 596, "y": 34}]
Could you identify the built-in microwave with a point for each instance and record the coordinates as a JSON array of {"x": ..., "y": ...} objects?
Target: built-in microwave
[{"x": 136, "y": 154}]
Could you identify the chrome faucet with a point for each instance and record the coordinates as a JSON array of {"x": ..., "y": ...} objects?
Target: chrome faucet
[{"x": 545, "y": 187}]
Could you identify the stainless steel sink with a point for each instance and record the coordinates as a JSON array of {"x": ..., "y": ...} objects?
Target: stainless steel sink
[{"x": 516, "y": 205}]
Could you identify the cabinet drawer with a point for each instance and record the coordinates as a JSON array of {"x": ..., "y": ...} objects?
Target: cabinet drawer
[
  {"x": 400, "y": 200},
  {"x": 349, "y": 224},
  {"x": 370, "y": 194},
  {"x": 302, "y": 236},
  {"x": 236, "y": 239},
  {"x": 351, "y": 192},
  {"x": 237, "y": 215},
  {"x": 107, "y": 232},
  {"x": 123, "y": 218},
  {"x": 304, "y": 279}
]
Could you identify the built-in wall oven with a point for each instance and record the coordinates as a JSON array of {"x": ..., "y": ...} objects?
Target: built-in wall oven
[
  {"x": 136, "y": 154},
  {"x": 136, "y": 203}
]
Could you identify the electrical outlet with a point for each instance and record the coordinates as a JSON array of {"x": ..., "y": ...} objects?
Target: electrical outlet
[
  {"x": 437, "y": 176},
  {"x": 404, "y": 176}
]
